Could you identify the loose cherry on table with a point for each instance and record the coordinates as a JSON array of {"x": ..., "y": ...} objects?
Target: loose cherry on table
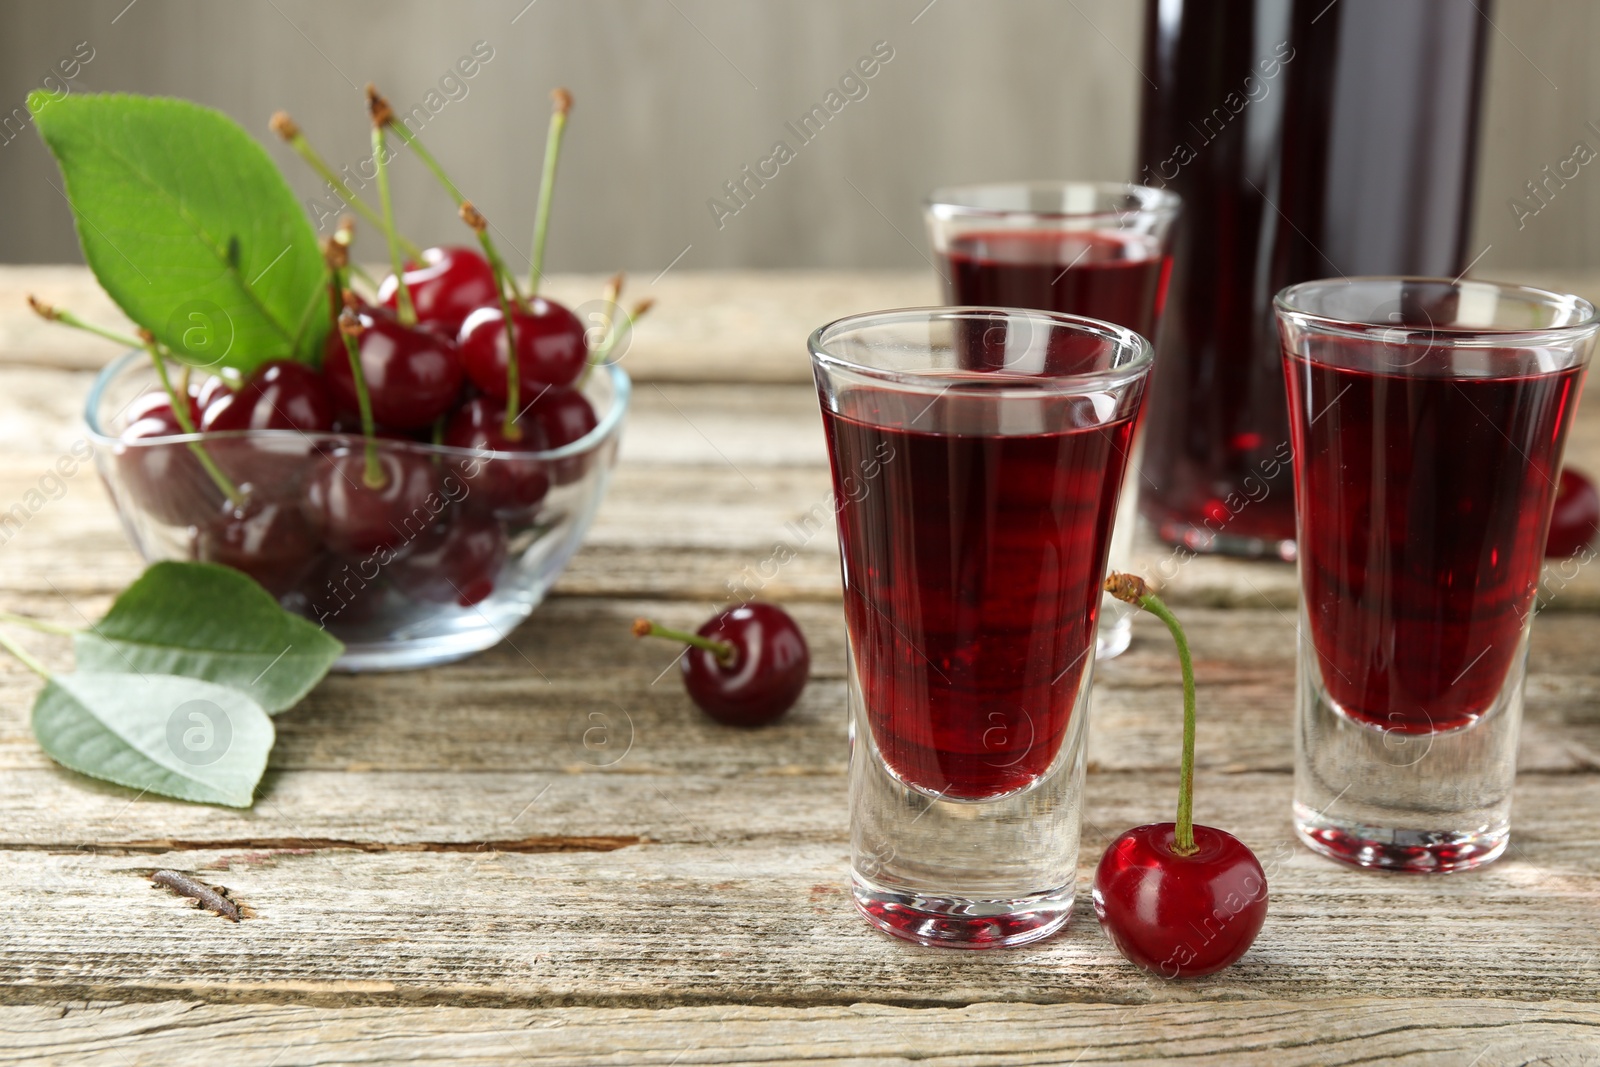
[
  {"x": 550, "y": 347},
  {"x": 1576, "y": 516},
  {"x": 413, "y": 373},
  {"x": 448, "y": 285},
  {"x": 455, "y": 562},
  {"x": 506, "y": 487},
  {"x": 745, "y": 666},
  {"x": 357, "y": 515},
  {"x": 1177, "y": 899}
]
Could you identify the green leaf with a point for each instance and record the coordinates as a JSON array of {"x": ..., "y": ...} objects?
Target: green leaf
[
  {"x": 205, "y": 621},
  {"x": 189, "y": 226},
  {"x": 180, "y": 737}
]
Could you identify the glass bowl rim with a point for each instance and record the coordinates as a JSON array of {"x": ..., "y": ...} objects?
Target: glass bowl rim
[
  {"x": 1021, "y": 384},
  {"x": 942, "y": 203},
  {"x": 1396, "y": 335},
  {"x": 604, "y": 428}
]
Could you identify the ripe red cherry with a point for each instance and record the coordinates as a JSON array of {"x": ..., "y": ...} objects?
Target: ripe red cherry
[
  {"x": 1180, "y": 916},
  {"x": 209, "y": 390},
  {"x": 565, "y": 416},
  {"x": 455, "y": 562},
  {"x": 550, "y": 347},
  {"x": 1177, "y": 899},
  {"x": 413, "y": 373},
  {"x": 506, "y": 487},
  {"x": 1575, "y": 517},
  {"x": 268, "y": 540},
  {"x": 278, "y": 395},
  {"x": 746, "y": 666},
  {"x": 355, "y": 518},
  {"x": 450, "y": 284},
  {"x": 166, "y": 481}
]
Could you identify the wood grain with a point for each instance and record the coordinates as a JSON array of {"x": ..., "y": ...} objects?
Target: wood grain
[
  {"x": 1482, "y": 1032},
  {"x": 545, "y": 854}
]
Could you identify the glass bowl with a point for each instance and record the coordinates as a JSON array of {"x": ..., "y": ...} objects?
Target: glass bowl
[{"x": 440, "y": 580}]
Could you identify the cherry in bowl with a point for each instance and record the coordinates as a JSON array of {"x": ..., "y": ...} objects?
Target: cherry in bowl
[
  {"x": 166, "y": 479},
  {"x": 550, "y": 348},
  {"x": 448, "y": 285},
  {"x": 413, "y": 373},
  {"x": 378, "y": 507},
  {"x": 502, "y": 485}
]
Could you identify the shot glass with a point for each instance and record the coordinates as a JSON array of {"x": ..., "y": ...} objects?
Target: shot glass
[
  {"x": 1083, "y": 248},
  {"x": 977, "y": 458},
  {"x": 1428, "y": 419}
]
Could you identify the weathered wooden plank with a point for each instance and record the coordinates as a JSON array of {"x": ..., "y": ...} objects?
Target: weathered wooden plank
[
  {"x": 763, "y": 918},
  {"x": 1252, "y": 1033}
]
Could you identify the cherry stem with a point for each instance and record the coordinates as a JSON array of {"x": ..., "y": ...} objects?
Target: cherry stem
[
  {"x": 40, "y": 625},
  {"x": 286, "y": 128},
  {"x": 180, "y": 412},
  {"x": 407, "y": 310},
  {"x": 616, "y": 331},
  {"x": 720, "y": 649},
  {"x": 490, "y": 251},
  {"x": 562, "y": 104},
  {"x": 1132, "y": 589},
  {"x": 373, "y": 473},
  {"x": 508, "y": 427},
  {"x": 22, "y": 654}
]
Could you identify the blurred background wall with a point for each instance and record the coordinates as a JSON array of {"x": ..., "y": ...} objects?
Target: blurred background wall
[{"x": 674, "y": 97}]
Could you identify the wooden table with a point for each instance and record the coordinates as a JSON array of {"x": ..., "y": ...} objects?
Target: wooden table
[{"x": 454, "y": 865}]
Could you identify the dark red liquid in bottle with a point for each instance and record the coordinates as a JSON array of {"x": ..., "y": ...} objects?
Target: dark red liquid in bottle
[
  {"x": 1115, "y": 277},
  {"x": 972, "y": 569},
  {"x": 1307, "y": 140},
  {"x": 1424, "y": 505}
]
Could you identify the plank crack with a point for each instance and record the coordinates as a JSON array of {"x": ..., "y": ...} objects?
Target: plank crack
[{"x": 317, "y": 844}]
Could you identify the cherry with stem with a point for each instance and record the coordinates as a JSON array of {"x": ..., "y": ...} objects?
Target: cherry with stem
[
  {"x": 561, "y": 101},
  {"x": 509, "y": 428},
  {"x": 490, "y": 252},
  {"x": 1176, "y": 899},
  {"x": 745, "y": 666},
  {"x": 286, "y": 128},
  {"x": 336, "y": 253},
  {"x": 382, "y": 117},
  {"x": 180, "y": 404}
]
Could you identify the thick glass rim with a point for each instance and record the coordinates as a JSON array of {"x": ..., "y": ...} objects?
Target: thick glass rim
[
  {"x": 953, "y": 202},
  {"x": 936, "y": 381},
  {"x": 604, "y": 428},
  {"x": 1287, "y": 304}
]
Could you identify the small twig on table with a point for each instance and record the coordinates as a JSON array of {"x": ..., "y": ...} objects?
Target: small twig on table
[{"x": 213, "y": 899}]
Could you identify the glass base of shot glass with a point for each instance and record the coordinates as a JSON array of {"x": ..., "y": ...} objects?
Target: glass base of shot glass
[
  {"x": 1416, "y": 851},
  {"x": 992, "y": 872},
  {"x": 1428, "y": 803},
  {"x": 959, "y": 922}
]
